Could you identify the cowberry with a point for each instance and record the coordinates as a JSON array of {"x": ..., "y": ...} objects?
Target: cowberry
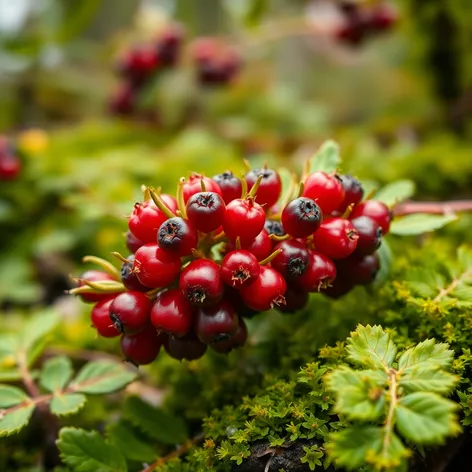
[
  {"x": 177, "y": 236},
  {"x": 169, "y": 44},
  {"x": 382, "y": 17},
  {"x": 353, "y": 192},
  {"x": 142, "y": 348},
  {"x": 244, "y": 218},
  {"x": 194, "y": 185},
  {"x": 94, "y": 276},
  {"x": 338, "y": 288},
  {"x": 295, "y": 299},
  {"x": 172, "y": 313},
  {"x": 293, "y": 261},
  {"x": 100, "y": 317},
  {"x": 231, "y": 187},
  {"x": 10, "y": 167},
  {"x": 274, "y": 227},
  {"x": 261, "y": 247},
  {"x": 319, "y": 274},
  {"x": 239, "y": 268},
  {"x": 123, "y": 100},
  {"x": 216, "y": 323},
  {"x": 359, "y": 269},
  {"x": 266, "y": 291},
  {"x": 132, "y": 242},
  {"x": 129, "y": 278},
  {"x": 301, "y": 217},
  {"x": 138, "y": 63},
  {"x": 238, "y": 339},
  {"x": 188, "y": 347},
  {"x": 200, "y": 282},
  {"x": 155, "y": 267},
  {"x": 270, "y": 186},
  {"x": 326, "y": 190},
  {"x": 336, "y": 238},
  {"x": 370, "y": 235},
  {"x": 205, "y": 211},
  {"x": 130, "y": 311},
  {"x": 376, "y": 210},
  {"x": 234, "y": 297}
]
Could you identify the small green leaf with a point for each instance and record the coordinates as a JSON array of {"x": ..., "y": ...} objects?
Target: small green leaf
[
  {"x": 286, "y": 178},
  {"x": 312, "y": 456},
  {"x": 67, "y": 404},
  {"x": 395, "y": 192},
  {"x": 327, "y": 158},
  {"x": 121, "y": 435},
  {"x": 419, "y": 223},
  {"x": 86, "y": 451},
  {"x": 386, "y": 258},
  {"x": 14, "y": 421},
  {"x": 11, "y": 396},
  {"x": 425, "y": 379},
  {"x": 102, "y": 377},
  {"x": 428, "y": 353},
  {"x": 56, "y": 373}
]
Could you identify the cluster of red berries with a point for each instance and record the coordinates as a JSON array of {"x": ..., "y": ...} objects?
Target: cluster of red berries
[
  {"x": 228, "y": 248},
  {"x": 216, "y": 63},
  {"x": 10, "y": 163},
  {"x": 361, "y": 22}
]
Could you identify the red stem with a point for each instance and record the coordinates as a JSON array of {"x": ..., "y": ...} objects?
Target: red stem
[{"x": 436, "y": 208}]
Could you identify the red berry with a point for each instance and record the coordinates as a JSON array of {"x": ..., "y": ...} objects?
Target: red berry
[
  {"x": 129, "y": 278},
  {"x": 155, "y": 267},
  {"x": 130, "y": 311},
  {"x": 326, "y": 190},
  {"x": 301, "y": 217},
  {"x": 194, "y": 185},
  {"x": 359, "y": 270},
  {"x": 244, "y": 219},
  {"x": 338, "y": 288},
  {"x": 320, "y": 273},
  {"x": 370, "y": 235},
  {"x": 188, "y": 347},
  {"x": 169, "y": 44},
  {"x": 171, "y": 313},
  {"x": 352, "y": 32},
  {"x": 266, "y": 291},
  {"x": 238, "y": 339},
  {"x": 123, "y": 100},
  {"x": 293, "y": 261},
  {"x": 216, "y": 323},
  {"x": 132, "y": 242},
  {"x": 94, "y": 276},
  {"x": 177, "y": 236},
  {"x": 269, "y": 189},
  {"x": 239, "y": 268},
  {"x": 200, "y": 282},
  {"x": 205, "y": 211},
  {"x": 231, "y": 187},
  {"x": 274, "y": 227},
  {"x": 353, "y": 192},
  {"x": 138, "y": 63},
  {"x": 295, "y": 298},
  {"x": 336, "y": 238},
  {"x": 142, "y": 348},
  {"x": 101, "y": 319},
  {"x": 10, "y": 167},
  {"x": 261, "y": 247},
  {"x": 378, "y": 211},
  {"x": 382, "y": 17}
]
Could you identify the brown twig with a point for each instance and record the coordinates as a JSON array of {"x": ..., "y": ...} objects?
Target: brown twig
[{"x": 435, "y": 208}]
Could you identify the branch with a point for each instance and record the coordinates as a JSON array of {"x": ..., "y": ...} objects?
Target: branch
[{"x": 436, "y": 208}]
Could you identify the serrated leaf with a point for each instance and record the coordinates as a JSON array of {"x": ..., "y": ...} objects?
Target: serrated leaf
[
  {"x": 67, "y": 404},
  {"x": 11, "y": 396},
  {"x": 56, "y": 373},
  {"x": 87, "y": 451},
  {"x": 371, "y": 346},
  {"x": 102, "y": 377},
  {"x": 424, "y": 379},
  {"x": 327, "y": 158},
  {"x": 14, "y": 421},
  {"x": 121, "y": 435},
  {"x": 419, "y": 223},
  {"x": 426, "y": 418},
  {"x": 161, "y": 426},
  {"x": 395, "y": 192},
  {"x": 426, "y": 353}
]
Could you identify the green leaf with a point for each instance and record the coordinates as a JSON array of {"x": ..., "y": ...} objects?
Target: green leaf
[
  {"x": 11, "y": 396},
  {"x": 86, "y": 451},
  {"x": 428, "y": 353},
  {"x": 67, "y": 404},
  {"x": 425, "y": 379},
  {"x": 102, "y": 377},
  {"x": 464, "y": 256},
  {"x": 327, "y": 158},
  {"x": 256, "y": 11},
  {"x": 56, "y": 373},
  {"x": 161, "y": 426},
  {"x": 386, "y": 258},
  {"x": 419, "y": 223},
  {"x": 312, "y": 456},
  {"x": 14, "y": 421},
  {"x": 426, "y": 418},
  {"x": 395, "y": 192},
  {"x": 286, "y": 178},
  {"x": 371, "y": 346}
]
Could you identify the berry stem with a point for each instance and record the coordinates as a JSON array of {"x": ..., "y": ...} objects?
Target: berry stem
[
  {"x": 104, "y": 264},
  {"x": 300, "y": 189},
  {"x": 146, "y": 193},
  {"x": 160, "y": 204},
  {"x": 120, "y": 257},
  {"x": 243, "y": 187},
  {"x": 238, "y": 243},
  {"x": 274, "y": 237},
  {"x": 435, "y": 208},
  {"x": 180, "y": 198},
  {"x": 202, "y": 185},
  {"x": 255, "y": 187},
  {"x": 271, "y": 257},
  {"x": 247, "y": 165},
  {"x": 102, "y": 287}
]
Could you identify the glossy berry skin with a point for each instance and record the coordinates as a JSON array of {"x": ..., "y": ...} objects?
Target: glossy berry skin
[
  {"x": 188, "y": 347},
  {"x": 370, "y": 235},
  {"x": 205, "y": 211},
  {"x": 295, "y": 299},
  {"x": 169, "y": 44},
  {"x": 138, "y": 64},
  {"x": 353, "y": 192},
  {"x": 10, "y": 167},
  {"x": 269, "y": 189},
  {"x": 378, "y": 211},
  {"x": 94, "y": 276},
  {"x": 217, "y": 323},
  {"x": 266, "y": 291},
  {"x": 100, "y": 316},
  {"x": 171, "y": 313},
  {"x": 130, "y": 311},
  {"x": 177, "y": 236},
  {"x": 238, "y": 339},
  {"x": 142, "y": 348},
  {"x": 132, "y": 242},
  {"x": 244, "y": 219},
  {"x": 274, "y": 227},
  {"x": 359, "y": 270},
  {"x": 129, "y": 278},
  {"x": 320, "y": 273},
  {"x": 293, "y": 261},
  {"x": 261, "y": 247},
  {"x": 200, "y": 283},
  {"x": 336, "y": 238},
  {"x": 338, "y": 288},
  {"x": 326, "y": 190},
  {"x": 194, "y": 185},
  {"x": 301, "y": 217},
  {"x": 231, "y": 187},
  {"x": 239, "y": 268},
  {"x": 155, "y": 267}
]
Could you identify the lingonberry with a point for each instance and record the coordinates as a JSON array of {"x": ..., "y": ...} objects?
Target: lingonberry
[
  {"x": 338, "y": 288},
  {"x": 293, "y": 261},
  {"x": 238, "y": 339},
  {"x": 138, "y": 63},
  {"x": 295, "y": 299},
  {"x": 261, "y": 246},
  {"x": 155, "y": 267},
  {"x": 177, "y": 236},
  {"x": 266, "y": 291},
  {"x": 353, "y": 192},
  {"x": 132, "y": 242},
  {"x": 359, "y": 269},
  {"x": 239, "y": 268},
  {"x": 216, "y": 323},
  {"x": 376, "y": 210},
  {"x": 172, "y": 313},
  {"x": 188, "y": 347},
  {"x": 123, "y": 100},
  {"x": 382, "y": 17},
  {"x": 336, "y": 238},
  {"x": 319, "y": 274},
  {"x": 205, "y": 211},
  {"x": 244, "y": 218},
  {"x": 200, "y": 282},
  {"x": 352, "y": 32},
  {"x": 370, "y": 235},
  {"x": 129, "y": 278},
  {"x": 301, "y": 217},
  {"x": 270, "y": 187},
  {"x": 194, "y": 185},
  {"x": 234, "y": 297},
  {"x": 274, "y": 227},
  {"x": 169, "y": 44},
  {"x": 130, "y": 311},
  {"x": 100, "y": 317},
  {"x": 326, "y": 190},
  {"x": 231, "y": 187},
  {"x": 94, "y": 276},
  {"x": 10, "y": 167},
  {"x": 142, "y": 348}
]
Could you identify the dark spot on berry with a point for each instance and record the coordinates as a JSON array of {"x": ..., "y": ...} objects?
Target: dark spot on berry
[
  {"x": 309, "y": 211},
  {"x": 220, "y": 337},
  {"x": 274, "y": 227},
  {"x": 296, "y": 267}
]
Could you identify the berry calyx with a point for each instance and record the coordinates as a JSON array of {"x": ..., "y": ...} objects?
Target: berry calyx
[
  {"x": 239, "y": 267},
  {"x": 353, "y": 192},
  {"x": 376, "y": 210},
  {"x": 230, "y": 186},
  {"x": 100, "y": 317},
  {"x": 130, "y": 311},
  {"x": 205, "y": 211},
  {"x": 274, "y": 227},
  {"x": 293, "y": 259},
  {"x": 94, "y": 276},
  {"x": 244, "y": 219},
  {"x": 370, "y": 235},
  {"x": 142, "y": 348},
  {"x": 238, "y": 339},
  {"x": 301, "y": 217},
  {"x": 336, "y": 238},
  {"x": 177, "y": 236},
  {"x": 270, "y": 186},
  {"x": 129, "y": 278},
  {"x": 187, "y": 348},
  {"x": 217, "y": 323},
  {"x": 320, "y": 273},
  {"x": 326, "y": 190},
  {"x": 194, "y": 185}
]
